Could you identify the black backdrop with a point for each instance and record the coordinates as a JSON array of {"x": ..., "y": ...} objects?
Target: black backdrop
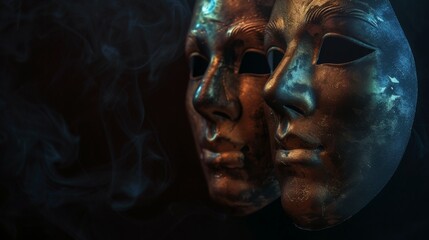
[{"x": 95, "y": 144}]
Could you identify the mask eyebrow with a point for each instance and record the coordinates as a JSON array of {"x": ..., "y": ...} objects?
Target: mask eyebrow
[
  {"x": 319, "y": 14},
  {"x": 274, "y": 32},
  {"x": 252, "y": 29}
]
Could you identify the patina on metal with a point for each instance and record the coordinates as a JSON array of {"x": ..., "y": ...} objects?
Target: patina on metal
[
  {"x": 228, "y": 70},
  {"x": 343, "y": 94}
]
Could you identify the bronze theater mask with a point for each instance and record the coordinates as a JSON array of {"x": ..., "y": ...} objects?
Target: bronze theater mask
[
  {"x": 343, "y": 92},
  {"x": 228, "y": 70}
]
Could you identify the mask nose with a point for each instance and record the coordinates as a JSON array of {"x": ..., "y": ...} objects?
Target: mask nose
[
  {"x": 289, "y": 91},
  {"x": 216, "y": 96}
]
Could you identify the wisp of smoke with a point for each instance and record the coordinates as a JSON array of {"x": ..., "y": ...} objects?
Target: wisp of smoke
[{"x": 73, "y": 75}]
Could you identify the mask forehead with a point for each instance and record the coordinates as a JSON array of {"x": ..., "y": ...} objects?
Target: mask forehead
[
  {"x": 222, "y": 14},
  {"x": 224, "y": 11},
  {"x": 292, "y": 16}
]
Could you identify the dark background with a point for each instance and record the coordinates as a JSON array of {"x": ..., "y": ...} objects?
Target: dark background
[{"x": 95, "y": 144}]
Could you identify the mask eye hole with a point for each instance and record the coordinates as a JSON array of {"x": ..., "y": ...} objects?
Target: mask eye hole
[
  {"x": 275, "y": 56},
  {"x": 198, "y": 65},
  {"x": 340, "y": 50},
  {"x": 254, "y": 63}
]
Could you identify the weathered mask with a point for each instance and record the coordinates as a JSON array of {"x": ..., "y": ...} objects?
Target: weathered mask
[
  {"x": 343, "y": 93},
  {"x": 224, "y": 102}
]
